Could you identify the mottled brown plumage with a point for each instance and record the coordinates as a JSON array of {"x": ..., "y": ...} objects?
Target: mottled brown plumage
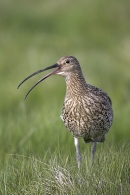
[{"x": 87, "y": 110}]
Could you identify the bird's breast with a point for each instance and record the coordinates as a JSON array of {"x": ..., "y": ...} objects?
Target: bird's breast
[
  {"x": 75, "y": 117},
  {"x": 83, "y": 118}
]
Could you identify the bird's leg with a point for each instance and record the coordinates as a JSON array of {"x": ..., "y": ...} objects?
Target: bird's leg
[
  {"x": 93, "y": 151},
  {"x": 76, "y": 142}
]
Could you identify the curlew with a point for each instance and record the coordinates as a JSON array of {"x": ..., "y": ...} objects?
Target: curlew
[{"x": 87, "y": 110}]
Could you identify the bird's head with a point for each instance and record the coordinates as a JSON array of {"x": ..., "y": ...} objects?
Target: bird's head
[{"x": 65, "y": 66}]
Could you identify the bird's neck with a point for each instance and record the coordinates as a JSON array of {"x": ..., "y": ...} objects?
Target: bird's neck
[{"x": 75, "y": 85}]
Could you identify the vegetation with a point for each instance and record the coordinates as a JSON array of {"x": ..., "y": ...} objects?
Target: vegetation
[{"x": 36, "y": 151}]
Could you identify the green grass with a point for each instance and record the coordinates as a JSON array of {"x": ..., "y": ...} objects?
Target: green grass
[
  {"x": 36, "y": 151},
  {"x": 56, "y": 173}
]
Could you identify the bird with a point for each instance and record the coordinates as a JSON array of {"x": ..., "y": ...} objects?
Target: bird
[{"x": 87, "y": 110}]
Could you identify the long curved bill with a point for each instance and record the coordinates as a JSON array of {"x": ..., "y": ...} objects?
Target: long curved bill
[{"x": 37, "y": 72}]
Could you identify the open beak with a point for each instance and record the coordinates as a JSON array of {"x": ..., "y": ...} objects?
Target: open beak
[{"x": 37, "y": 72}]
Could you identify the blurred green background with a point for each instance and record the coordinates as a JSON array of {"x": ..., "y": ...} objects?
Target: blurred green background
[{"x": 35, "y": 34}]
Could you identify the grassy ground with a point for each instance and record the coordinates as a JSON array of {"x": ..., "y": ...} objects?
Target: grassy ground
[{"x": 36, "y": 151}]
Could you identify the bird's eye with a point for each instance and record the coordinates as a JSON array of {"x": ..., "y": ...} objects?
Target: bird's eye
[{"x": 67, "y": 61}]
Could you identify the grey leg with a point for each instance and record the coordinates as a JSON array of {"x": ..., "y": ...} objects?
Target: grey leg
[
  {"x": 76, "y": 142},
  {"x": 93, "y": 151}
]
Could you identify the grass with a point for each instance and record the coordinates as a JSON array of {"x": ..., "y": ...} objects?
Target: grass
[
  {"x": 36, "y": 151},
  {"x": 57, "y": 174}
]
